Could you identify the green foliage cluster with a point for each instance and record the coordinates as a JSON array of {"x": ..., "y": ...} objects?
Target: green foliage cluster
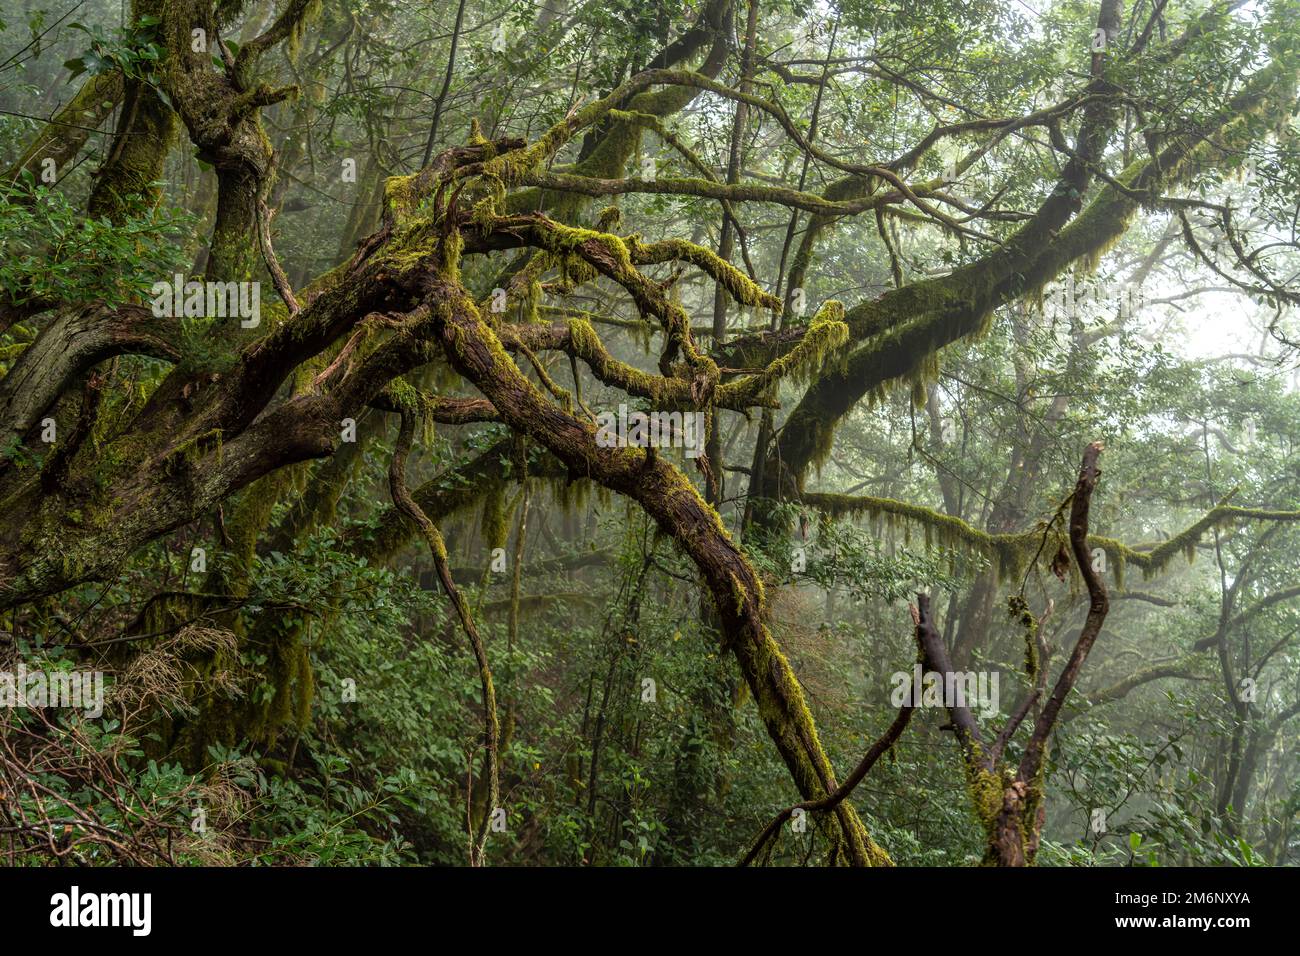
[{"x": 51, "y": 251}]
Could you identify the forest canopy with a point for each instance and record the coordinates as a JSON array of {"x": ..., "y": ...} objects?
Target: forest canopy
[{"x": 549, "y": 432}]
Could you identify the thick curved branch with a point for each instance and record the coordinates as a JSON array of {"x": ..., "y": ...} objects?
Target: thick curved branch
[
  {"x": 72, "y": 344},
  {"x": 678, "y": 509},
  {"x": 904, "y": 327}
]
